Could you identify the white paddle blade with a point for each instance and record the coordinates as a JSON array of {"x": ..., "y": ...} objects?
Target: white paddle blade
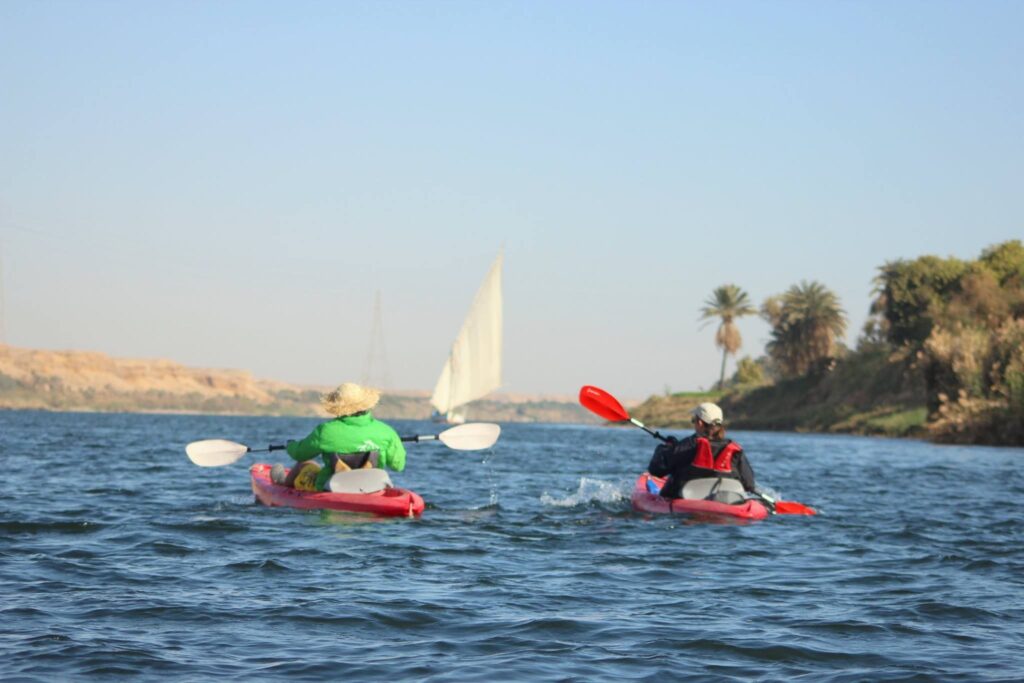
[
  {"x": 359, "y": 481},
  {"x": 215, "y": 452},
  {"x": 470, "y": 437}
]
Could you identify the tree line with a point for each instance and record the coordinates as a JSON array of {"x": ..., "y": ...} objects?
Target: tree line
[{"x": 957, "y": 324}]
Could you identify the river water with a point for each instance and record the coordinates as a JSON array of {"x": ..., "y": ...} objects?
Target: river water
[{"x": 120, "y": 557}]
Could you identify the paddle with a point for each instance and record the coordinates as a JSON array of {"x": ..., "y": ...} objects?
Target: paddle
[
  {"x": 786, "y": 507},
  {"x": 472, "y": 436},
  {"x": 468, "y": 437},
  {"x": 603, "y": 404},
  {"x": 220, "y": 452}
]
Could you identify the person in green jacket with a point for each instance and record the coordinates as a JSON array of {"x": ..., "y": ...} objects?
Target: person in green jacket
[{"x": 352, "y": 440}]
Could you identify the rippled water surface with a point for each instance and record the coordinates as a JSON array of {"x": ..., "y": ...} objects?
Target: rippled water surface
[{"x": 118, "y": 556}]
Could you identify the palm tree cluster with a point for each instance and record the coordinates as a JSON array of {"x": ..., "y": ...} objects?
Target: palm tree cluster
[{"x": 806, "y": 321}]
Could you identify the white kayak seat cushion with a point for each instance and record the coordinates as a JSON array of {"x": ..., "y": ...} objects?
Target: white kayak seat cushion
[
  {"x": 718, "y": 489},
  {"x": 359, "y": 481}
]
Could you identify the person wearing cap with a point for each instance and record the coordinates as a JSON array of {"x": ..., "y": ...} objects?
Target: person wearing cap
[
  {"x": 705, "y": 453},
  {"x": 354, "y": 439}
]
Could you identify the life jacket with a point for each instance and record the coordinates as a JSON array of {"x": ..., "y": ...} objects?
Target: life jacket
[
  {"x": 704, "y": 465},
  {"x": 705, "y": 459}
]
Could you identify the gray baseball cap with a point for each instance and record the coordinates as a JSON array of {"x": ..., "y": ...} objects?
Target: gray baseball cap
[{"x": 709, "y": 413}]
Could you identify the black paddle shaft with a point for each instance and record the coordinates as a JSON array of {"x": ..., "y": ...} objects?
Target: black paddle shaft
[
  {"x": 641, "y": 425},
  {"x": 426, "y": 437},
  {"x": 272, "y": 447}
]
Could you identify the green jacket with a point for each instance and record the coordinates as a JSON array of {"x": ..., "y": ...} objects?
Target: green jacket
[{"x": 350, "y": 434}]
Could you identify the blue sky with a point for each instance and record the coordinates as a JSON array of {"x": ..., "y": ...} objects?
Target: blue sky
[{"x": 228, "y": 184}]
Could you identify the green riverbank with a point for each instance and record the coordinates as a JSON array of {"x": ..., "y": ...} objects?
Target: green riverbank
[{"x": 862, "y": 394}]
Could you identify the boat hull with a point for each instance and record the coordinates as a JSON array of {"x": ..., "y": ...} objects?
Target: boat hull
[
  {"x": 394, "y": 502},
  {"x": 646, "y": 501}
]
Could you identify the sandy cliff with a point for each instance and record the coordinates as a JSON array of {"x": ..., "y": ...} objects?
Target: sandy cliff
[
  {"x": 34, "y": 378},
  {"x": 89, "y": 381}
]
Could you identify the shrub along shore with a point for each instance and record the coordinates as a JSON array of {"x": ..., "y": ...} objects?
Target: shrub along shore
[
  {"x": 941, "y": 358},
  {"x": 857, "y": 396}
]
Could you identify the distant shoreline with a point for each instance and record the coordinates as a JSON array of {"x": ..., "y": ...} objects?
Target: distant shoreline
[{"x": 80, "y": 381}]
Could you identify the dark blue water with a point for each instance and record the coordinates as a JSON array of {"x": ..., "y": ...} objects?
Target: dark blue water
[{"x": 118, "y": 556}]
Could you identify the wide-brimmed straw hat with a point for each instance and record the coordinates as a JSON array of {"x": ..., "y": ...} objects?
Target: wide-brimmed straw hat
[{"x": 349, "y": 398}]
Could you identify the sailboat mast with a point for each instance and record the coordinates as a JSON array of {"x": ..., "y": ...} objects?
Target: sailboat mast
[
  {"x": 377, "y": 354},
  {"x": 451, "y": 379},
  {"x": 3, "y": 303}
]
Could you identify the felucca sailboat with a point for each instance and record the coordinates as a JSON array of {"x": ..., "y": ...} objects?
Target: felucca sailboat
[{"x": 473, "y": 368}]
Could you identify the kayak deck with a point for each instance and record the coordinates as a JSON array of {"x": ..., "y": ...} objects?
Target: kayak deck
[
  {"x": 644, "y": 500},
  {"x": 392, "y": 502}
]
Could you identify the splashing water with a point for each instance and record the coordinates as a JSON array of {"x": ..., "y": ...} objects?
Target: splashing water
[{"x": 589, "y": 491}]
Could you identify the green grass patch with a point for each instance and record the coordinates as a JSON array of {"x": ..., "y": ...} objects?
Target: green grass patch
[
  {"x": 883, "y": 421},
  {"x": 902, "y": 422},
  {"x": 698, "y": 395}
]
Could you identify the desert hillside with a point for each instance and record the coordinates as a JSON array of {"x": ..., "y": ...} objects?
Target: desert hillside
[{"x": 89, "y": 381}]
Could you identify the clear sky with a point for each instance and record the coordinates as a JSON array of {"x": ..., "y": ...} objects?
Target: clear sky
[{"x": 227, "y": 184}]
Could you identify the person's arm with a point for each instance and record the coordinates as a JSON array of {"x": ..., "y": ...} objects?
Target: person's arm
[
  {"x": 307, "y": 448},
  {"x": 660, "y": 465},
  {"x": 745, "y": 471},
  {"x": 393, "y": 456},
  {"x": 670, "y": 456}
]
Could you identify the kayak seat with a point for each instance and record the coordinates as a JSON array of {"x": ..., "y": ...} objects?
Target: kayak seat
[
  {"x": 718, "y": 489},
  {"x": 359, "y": 481}
]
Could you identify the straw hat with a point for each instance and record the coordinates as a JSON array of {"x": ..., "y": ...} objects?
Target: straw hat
[{"x": 349, "y": 398}]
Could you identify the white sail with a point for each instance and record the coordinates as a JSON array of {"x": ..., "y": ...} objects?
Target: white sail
[{"x": 473, "y": 368}]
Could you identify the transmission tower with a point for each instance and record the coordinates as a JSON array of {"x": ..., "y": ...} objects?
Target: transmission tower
[{"x": 375, "y": 370}]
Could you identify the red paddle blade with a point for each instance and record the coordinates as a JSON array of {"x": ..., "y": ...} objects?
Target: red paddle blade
[
  {"x": 789, "y": 507},
  {"x": 600, "y": 402}
]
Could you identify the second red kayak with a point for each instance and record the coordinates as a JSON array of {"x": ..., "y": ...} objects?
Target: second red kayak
[
  {"x": 646, "y": 500},
  {"x": 392, "y": 502}
]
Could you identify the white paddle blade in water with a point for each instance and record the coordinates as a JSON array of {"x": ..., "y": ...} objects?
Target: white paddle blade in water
[
  {"x": 470, "y": 437},
  {"x": 359, "y": 481},
  {"x": 215, "y": 452}
]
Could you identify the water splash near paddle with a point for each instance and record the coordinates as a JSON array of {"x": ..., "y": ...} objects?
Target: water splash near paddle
[{"x": 589, "y": 491}]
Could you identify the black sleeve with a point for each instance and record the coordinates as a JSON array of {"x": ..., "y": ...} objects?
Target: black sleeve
[
  {"x": 660, "y": 465},
  {"x": 670, "y": 456},
  {"x": 743, "y": 468}
]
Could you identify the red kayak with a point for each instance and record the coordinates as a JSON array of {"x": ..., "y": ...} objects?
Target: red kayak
[
  {"x": 645, "y": 499},
  {"x": 392, "y": 502}
]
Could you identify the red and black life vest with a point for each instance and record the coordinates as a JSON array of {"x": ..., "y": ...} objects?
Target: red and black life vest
[{"x": 705, "y": 459}]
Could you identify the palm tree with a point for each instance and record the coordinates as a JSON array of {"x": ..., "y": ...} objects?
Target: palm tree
[
  {"x": 806, "y": 322},
  {"x": 727, "y": 303}
]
